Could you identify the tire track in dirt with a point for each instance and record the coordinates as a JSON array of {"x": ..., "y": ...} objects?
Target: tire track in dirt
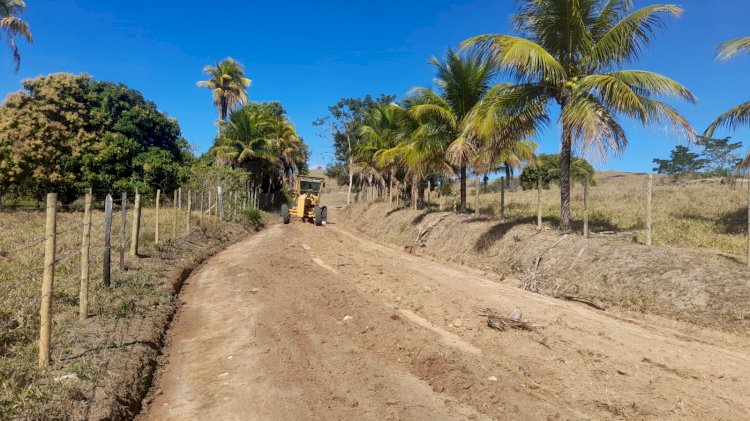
[{"x": 262, "y": 335}]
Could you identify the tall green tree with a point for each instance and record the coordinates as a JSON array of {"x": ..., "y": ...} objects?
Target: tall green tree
[
  {"x": 13, "y": 26},
  {"x": 739, "y": 115},
  {"x": 386, "y": 127},
  {"x": 442, "y": 138},
  {"x": 681, "y": 162},
  {"x": 65, "y": 133},
  {"x": 571, "y": 53},
  {"x": 228, "y": 84},
  {"x": 720, "y": 155},
  {"x": 547, "y": 170},
  {"x": 260, "y": 139},
  {"x": 343, "y": 122}
]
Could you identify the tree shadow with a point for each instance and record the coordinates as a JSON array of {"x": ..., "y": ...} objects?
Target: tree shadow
[
  {"x": 392, "y": 211},
  {"x": 421, "y": 217},
  {"x": 729, "y": 223},
  {"x": 498, "y": 232}
]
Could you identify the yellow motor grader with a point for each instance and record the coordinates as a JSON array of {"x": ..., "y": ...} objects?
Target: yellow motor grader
[{"x": 307, "y": 193}]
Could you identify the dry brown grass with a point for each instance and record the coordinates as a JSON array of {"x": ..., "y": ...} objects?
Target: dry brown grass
[
  {"x": 135, "y": 291},
  {"x": 701, "y": 213}
]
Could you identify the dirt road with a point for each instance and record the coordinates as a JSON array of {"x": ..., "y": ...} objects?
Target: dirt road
[{"x": 304, "y": 322}]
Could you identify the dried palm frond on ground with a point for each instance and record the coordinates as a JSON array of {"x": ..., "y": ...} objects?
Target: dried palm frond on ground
[{"x": 502, "y": 323}]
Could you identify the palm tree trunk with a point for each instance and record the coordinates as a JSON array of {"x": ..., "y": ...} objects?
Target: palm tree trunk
[
  {"x": 463, "y": 188},
  {"x": 414, "y": 192},
  {"x": 508, "y": 175},
  {"x": 565, "y": 157},
  {"x": 351, "y": 180},
  {"x": 390, "y": 186}
]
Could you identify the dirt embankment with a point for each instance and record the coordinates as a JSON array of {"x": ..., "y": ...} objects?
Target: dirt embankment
[{"x": 701, "y": 287}]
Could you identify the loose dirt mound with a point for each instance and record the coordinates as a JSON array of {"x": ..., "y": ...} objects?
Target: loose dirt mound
[{"x": 705, "y": 288}]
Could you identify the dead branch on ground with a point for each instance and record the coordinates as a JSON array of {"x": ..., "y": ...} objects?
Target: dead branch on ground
[{"x": 503, "y": 323}]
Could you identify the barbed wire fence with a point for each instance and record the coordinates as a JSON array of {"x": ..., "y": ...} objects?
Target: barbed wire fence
[
  {"x": 640, "y": 209},
  {"x": 107, "y": 240}
]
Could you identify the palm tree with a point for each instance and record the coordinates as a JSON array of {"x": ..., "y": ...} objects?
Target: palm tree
[
  {"x": 572, "y": 52},
  {"x": 229, "y": 85},
  {"x": 463, "y": 79},
  {"x": 739, "y": 115},
  {"x": 11, "y": 25},
  {"x": 245, "y": 137},
  {"x": 265, "y": 144},
  {"x": 385, "y": 128},
  {"x": 508, "y": 156},
  {"x": 287, "y": 146}
]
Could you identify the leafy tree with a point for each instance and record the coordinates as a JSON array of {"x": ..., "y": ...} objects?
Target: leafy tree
[
  {"x": 338, "y": 171},
  {"x": 719, "y": 155},
  {"x": 343, "y": 122},
  {"x": 739, "y": 115},
  {"x": 681, "y": 162},
  {"x": 548, "y": 170},
  {"x": 572, "y": 52},
  {"x": 228, "y": 83},
  {"x": 12, "y": 26},
  {"x": 386, "y": 127},
  {"x": 65, "y": 133},
  {"x": 464, "y": 79},
  {"x": 260, "y": 139}
]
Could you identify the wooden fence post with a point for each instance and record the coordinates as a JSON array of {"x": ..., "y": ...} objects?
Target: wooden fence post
[
  {"x": 189, "y": 210},
  {"x": 156, "y": 229},
  {"x": 123, "y": 221},
  {"x": 136, "y": 233},
  {"x": 429, "y": 192},
  {"x": 220, "y": 203},
  {"x": 200, "y": 216},
  {"x": 210, "y": 202},
  {"x": 106, "y": 262},
  {"x": 539, "y": 204},
  {"x": 649, "y": 193},
  {"x": 586, "y": 207},
  {"x": 236, "y": 205},
  {"x": 174, "y": 214},
  {"x": 179, "y": 198},
  {"x": 83, "y": 299},
  {"x": 502, "y": 198},
  {"x": 45, "y": 330}
]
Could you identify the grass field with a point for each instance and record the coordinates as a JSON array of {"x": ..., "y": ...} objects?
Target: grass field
[
  {"x": 115, "y": 313},
  {"x": 698, "y": 213}
]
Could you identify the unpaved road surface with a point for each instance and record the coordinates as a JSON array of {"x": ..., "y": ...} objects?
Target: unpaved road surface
[{"x": 262, "y": 335}]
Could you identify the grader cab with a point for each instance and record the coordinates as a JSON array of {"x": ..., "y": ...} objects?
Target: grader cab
[{"x": 306, "y": 202}]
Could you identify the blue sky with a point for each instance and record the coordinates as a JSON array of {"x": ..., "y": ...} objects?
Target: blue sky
[{"x": 309, "y": 54}]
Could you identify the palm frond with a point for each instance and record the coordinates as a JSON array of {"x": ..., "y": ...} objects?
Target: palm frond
[
  {"x": 13, "y": 26},
  {"x": 735, "y": 117},
  {"x": 594, "y": 129},
  {"x": 630, "y": 92},
  {"x": 624, "y": 41},
  {"x": 523, "y": 58},
  {"x": 731, "y": 48}
]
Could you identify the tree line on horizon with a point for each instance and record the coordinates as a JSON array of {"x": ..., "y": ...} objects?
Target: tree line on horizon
[{"x": 563, "y": 54}]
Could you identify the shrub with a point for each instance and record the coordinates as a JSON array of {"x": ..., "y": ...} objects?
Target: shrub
[{"x": 254, "y": 218}]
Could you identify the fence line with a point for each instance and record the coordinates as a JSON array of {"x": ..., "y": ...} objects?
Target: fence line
[
  {"x": 651, "y": 213},
  {"x": 55, "y": 260}
]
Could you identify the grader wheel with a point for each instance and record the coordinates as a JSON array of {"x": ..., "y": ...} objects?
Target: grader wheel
[
  {"x": 285, "y": 213},
  {"x": 318, "y": 216}
]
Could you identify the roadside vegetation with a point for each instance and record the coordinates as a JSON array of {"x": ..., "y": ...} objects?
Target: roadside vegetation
[{"x": 497, "y": 92}]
